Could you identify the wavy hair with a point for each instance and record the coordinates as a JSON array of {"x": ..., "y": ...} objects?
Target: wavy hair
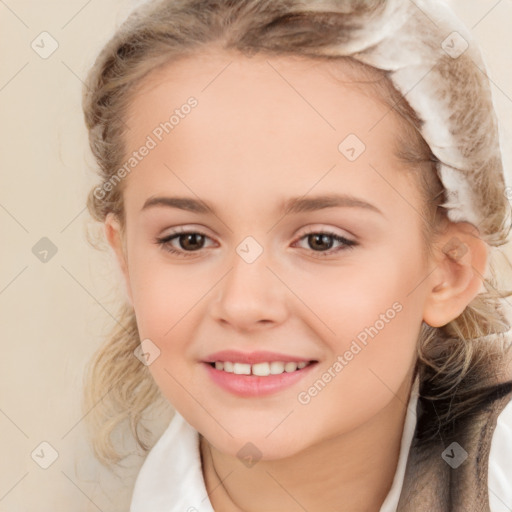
[{"x": 461, "y": 365}]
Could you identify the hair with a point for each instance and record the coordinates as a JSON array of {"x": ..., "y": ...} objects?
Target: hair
[{"x": 460, "y": 365}]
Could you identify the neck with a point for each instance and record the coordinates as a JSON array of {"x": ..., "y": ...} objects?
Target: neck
[{"x": 355, "y": 469}]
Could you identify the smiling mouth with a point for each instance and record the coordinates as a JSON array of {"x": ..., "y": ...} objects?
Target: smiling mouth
[{"x": 263, "y": 369}]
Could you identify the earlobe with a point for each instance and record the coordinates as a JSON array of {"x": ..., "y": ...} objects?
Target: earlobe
[
  {"x": 461, "y": 262},
  {"x": 114, "y": 236}
]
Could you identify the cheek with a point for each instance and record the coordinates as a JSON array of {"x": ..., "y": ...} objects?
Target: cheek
[
  {"x": 163, "y": 292},
  {"x": 369, "y": 285},
  {"x": 374, "y": 315},
  {"x": 365, "y": 376},
  {"x": 371, "y": 354},
  {"x": 169, "y": 301},
  {"x": 166, "y": 303}
]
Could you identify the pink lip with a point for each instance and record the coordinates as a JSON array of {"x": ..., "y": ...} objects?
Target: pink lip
[
  {"x": 235, "y": 356},
  {"x": 253, "y": 385}
]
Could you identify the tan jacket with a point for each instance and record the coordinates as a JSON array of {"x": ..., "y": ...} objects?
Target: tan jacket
[{"x": 450, "y": 475}]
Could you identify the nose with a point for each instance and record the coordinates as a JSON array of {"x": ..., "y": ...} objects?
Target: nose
[{"x": 250, "y": 296}]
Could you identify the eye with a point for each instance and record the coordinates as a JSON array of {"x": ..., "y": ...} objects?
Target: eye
[
  {"x": 321, "y": 242},
  {"x": 187, "y": 241}
]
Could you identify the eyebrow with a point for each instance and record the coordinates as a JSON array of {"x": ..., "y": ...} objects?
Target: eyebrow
[{"x": 290, "y": 206}]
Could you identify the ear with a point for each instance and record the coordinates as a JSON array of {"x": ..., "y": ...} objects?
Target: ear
[
  {"x": 114, "y": 235},
  {"x": 460, "y": 264}
]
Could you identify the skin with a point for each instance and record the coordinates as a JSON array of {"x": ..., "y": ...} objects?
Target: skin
[{"x": 253, "y": 142}]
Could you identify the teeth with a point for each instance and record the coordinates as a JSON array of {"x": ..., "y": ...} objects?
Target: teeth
[
  {"x": 290, "y": 367},
  {"x": 276, "y": 367},
  {"x": 242, "y": 369},
  {"x": 259, "y": 369}
]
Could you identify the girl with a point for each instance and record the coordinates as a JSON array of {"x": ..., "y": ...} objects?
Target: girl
[{"x": 302, "y": 197}]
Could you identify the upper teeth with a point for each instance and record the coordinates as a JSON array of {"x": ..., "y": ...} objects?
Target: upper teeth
[{"x": 259, "y": 369}]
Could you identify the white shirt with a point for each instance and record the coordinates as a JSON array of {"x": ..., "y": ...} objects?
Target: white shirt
[{"x": 171, "y": 479}]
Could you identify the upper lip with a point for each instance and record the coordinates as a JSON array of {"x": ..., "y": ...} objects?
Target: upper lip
[{"x": 235, "y": 356}]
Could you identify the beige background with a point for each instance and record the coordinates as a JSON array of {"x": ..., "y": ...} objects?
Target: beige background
[{"x": 54, "y": 313}]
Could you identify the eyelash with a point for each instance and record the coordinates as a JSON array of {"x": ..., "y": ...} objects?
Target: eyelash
[{"x": 164, "y": 243}]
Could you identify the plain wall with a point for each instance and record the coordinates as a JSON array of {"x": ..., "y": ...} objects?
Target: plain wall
[{"x": 55, "y": 313}]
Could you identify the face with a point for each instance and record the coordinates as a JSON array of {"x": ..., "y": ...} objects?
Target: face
[{"x": 262, "y": 236}]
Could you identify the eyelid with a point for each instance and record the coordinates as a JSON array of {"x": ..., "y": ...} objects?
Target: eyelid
[
  {"x": 321, "y": 228},
  {"x": 196, "y": 228}
]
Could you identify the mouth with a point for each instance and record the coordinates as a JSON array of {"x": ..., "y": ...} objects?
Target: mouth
[{"x": 258, "y": 373}]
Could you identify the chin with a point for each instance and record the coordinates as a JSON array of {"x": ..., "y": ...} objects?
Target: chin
[
  {"x": 256, "y": 441},
  {"x": 253, "y": 448}
]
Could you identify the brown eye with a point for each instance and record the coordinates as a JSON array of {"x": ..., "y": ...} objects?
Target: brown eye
[
  {"x": 320, "y": 241},
  {"x": 191, "y": 241},
  {"x": 323, "y": 243},
  {"x": 184, "y": 243}
]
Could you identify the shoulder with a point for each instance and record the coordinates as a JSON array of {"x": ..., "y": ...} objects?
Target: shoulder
[{"x": 500, "y": 462}]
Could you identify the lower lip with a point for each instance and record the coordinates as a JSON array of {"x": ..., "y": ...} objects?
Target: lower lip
[{"x": 253, "y": 385}]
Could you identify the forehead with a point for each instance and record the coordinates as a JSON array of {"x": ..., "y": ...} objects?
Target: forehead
[
  {"x": 270, "y": 95},
  {"x": 261, "y": 122}
]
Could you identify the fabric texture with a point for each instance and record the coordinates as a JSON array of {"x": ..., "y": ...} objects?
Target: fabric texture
[
  {"x": 171, "y": 479},
  {"x": 453, "y": 474}
]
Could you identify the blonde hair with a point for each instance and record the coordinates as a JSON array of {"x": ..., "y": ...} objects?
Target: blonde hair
[{"x": 460, "y": 364}]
